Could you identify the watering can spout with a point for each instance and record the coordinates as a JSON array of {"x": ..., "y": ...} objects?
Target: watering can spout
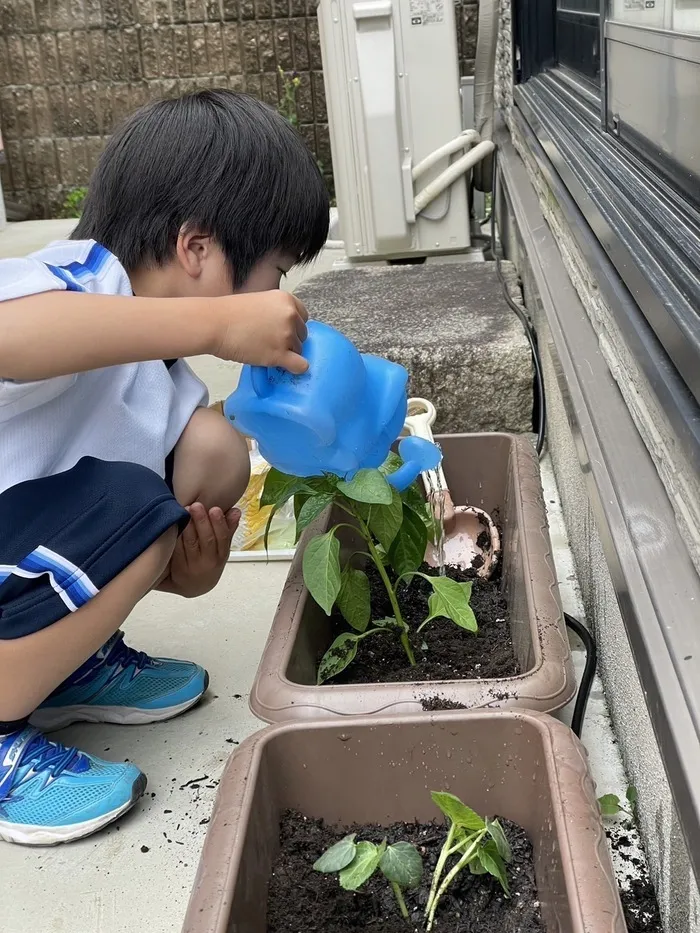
[{"x": 418, "y": 457}]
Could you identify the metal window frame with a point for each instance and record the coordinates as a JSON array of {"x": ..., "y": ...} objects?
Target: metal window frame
[
  {"x": 650, "y": 234},
  {"x": 621, "y": 480}
]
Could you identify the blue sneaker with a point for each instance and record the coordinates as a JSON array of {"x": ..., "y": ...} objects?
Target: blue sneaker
[
  {"x": 51, "y": 794},
  {"x": 123, "y": 686}
]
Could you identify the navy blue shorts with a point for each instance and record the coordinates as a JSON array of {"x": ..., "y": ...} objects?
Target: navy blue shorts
[{"x": 64, "y": 537}]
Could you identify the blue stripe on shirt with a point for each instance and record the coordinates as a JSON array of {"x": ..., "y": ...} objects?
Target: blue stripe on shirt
[
  {"x": 65, "y": 277},
  {"x": 96, "y": 259}
]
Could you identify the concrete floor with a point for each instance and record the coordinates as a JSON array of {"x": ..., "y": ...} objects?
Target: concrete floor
[{"x": 137, "y": 875}]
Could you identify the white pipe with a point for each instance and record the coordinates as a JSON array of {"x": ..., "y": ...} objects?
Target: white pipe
[
  {"x": 484, "y": 76},
  {"x": 435, "y": 188},
  {"x": 465, "y": 139}
]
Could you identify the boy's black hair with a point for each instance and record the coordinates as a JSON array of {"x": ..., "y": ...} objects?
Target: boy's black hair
[{"x": 220, "y": 162}]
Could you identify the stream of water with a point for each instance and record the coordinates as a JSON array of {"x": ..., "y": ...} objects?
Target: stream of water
[{"x": 437, "y": 505}]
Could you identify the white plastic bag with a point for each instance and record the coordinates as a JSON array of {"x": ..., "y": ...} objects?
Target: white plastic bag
[{"x": 250, "y": 534}]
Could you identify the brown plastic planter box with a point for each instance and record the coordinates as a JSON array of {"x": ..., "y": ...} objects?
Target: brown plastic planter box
[
  {"x": 522, "y": 766},
  {"x": 499, "y": 473}
]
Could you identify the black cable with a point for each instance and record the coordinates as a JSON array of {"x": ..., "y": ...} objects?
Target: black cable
[
  {"x": 540, "y": 409},
  {"x": 584, "y": 689}
]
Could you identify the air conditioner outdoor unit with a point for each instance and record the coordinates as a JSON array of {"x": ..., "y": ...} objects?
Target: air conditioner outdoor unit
[{"x": 401, "y": 160}]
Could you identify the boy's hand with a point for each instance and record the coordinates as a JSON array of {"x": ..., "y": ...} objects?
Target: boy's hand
[
  {"x": 264, "y": 329},
  {"x": 201, "y": 551}
]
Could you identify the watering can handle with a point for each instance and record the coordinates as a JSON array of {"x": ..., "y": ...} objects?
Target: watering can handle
[
  {"x": 261, "y": 382},
  {"x": 420, "y": 425},
  {"x": 319, "y": 422}
]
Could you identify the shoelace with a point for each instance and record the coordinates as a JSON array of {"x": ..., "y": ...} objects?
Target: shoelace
[
  {"x": 121, "y": 654},
  {"x": 49, "y": 756}
]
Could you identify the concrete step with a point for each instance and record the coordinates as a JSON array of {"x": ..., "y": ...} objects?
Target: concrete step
[{"x": 449, "y": 324}]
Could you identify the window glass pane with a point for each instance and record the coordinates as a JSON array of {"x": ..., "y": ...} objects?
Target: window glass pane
[
  {"x": 673, "y": 15},
  {"x": 686, "y": 16},
  {"x": 578, "y": 36}
]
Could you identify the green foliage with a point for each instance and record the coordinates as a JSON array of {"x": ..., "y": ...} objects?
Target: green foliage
[
  {"x": 73, "y": 203},
  {"x": 611, "y": 805},
  {"x": 356, "y": 862},
  {"x": 395, "y": 528},
  {"x": 472, "y": 843},
  {"x": 287, "y": 106}
]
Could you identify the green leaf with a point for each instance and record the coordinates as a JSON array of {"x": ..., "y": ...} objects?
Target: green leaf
[
  {"x": 475, "y": 866},
  {"x": 436, "y": 608},
  {"x": 299, "y": 499},
  {"x": 385, "y": 520},
  {"x": 402, "y": 864},
  {"x": 457, "y": 812},
  {"x": 353, "y": 598},
  {"x": 279, "y": 487},
  {"x": 367, "y": 486},
  {"x": 631, "y": 796},
  {"x": 414, "y": 499},
  {"x": 453, "y": 601},
  {"x": 321, "y": 568},
  {"x": 499, "y": 837},
  {"x": 407, "y": 551},
  {"x": 341, "y": 653},
  {"x": 338, "y": 856},
  {"x": 493, "y": 864},
  {"x": 389, "y": 622},
  {"x": 311, "y": 509},
  {"x": 609, "y": 804},
  {"x": 391, "y": 464},
  {"x": 362, "y": 867}
]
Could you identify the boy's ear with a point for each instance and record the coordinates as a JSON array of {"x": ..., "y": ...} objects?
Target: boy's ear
[{"x": 192, "y": 250}]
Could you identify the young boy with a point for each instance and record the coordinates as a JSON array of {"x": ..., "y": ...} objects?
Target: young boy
[{"x": 115, "y": 479}]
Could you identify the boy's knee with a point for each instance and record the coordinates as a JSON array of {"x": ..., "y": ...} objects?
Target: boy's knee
[{"x": 212, "y": 463}]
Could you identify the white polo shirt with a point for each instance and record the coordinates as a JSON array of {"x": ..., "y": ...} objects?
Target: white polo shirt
[{"x": 135, "y": 412}]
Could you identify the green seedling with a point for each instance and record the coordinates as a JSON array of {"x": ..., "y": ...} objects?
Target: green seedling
[
  {"x": 394, "y": 529},
  {"x": 472, "y": 842},
  {"x": 356, "y": 862},
  {"x": 611, "y": 805}
]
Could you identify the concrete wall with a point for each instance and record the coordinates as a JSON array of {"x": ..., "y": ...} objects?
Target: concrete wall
[
  {"x": 72, "y": 69},
  {"x": 678, "y": 893}
]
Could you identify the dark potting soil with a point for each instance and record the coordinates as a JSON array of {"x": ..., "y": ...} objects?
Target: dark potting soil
[
  {"x": 302, "y": 900},
  {"x": 436, "y": 703},
  {"x": 443, "y": 650},
  {"x": 637, "y": 893}
]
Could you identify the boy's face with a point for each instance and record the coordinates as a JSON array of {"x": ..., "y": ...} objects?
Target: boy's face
[
  {"x": 209, "y": 273},
  {"x": 199, "y": 270},
  {"x": 267, "y": 274}
]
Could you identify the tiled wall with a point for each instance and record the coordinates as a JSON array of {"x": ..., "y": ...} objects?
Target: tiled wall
[{"x": 71, "y": 69}]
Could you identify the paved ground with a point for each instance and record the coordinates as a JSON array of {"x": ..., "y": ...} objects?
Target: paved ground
[{"x": 137, "y": 876}]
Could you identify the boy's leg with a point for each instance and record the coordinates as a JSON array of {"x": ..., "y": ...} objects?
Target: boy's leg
[
  {"x": 119, "y": 684},
  {"x": 31, "y": 667},
  {"x": 212, "y": 463},
  {"x": 96, "y": 555}
]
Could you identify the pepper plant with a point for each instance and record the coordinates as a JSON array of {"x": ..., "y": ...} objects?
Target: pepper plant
[
  {"x": 394, "y": 528},
  {"x": 472, "y": 842},
  {"x": 356, "y": 862},
  {"x": 479, "y": 845}
]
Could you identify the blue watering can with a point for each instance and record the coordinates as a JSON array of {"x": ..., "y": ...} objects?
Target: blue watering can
[{"x": 341, "y": 416}]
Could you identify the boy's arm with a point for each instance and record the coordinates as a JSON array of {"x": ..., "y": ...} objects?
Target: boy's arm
[{"x": 59, "y": 332}]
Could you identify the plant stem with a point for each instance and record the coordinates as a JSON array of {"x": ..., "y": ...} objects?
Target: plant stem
[
  {"x": 398, "y": 894},
  {"x": 462, "y": 863},
  {"x": 440, "y": 867},
  {"x": 389, "y": 590}
]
